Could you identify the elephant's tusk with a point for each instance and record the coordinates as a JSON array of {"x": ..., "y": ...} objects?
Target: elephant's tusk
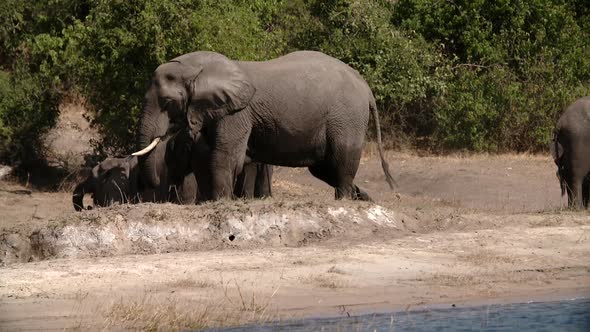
[{"x": 147, "y": 148}]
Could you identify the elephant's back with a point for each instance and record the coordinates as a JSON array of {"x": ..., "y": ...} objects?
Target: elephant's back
[
  {"x": 303, "y": 100},
  {"x": 576, "y": 116},
  {"x": 573, "y": 127},
  {"x": 304, "y": 62},
  {"x": 308, "y": 73}
]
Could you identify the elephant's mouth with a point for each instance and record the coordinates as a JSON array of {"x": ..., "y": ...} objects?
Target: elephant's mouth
[
  {"x": 148, "y": 148},
  {"x": 173, "y": 131}
]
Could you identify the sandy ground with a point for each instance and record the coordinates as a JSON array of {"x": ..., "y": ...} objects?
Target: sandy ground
[{"x": 465, "y": 230}]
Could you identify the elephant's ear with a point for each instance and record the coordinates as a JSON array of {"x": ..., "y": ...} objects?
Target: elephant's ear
[{"x": 219, "y": 84}]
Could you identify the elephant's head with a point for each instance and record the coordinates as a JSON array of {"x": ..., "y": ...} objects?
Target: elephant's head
[{"x": 187, "y": 93}]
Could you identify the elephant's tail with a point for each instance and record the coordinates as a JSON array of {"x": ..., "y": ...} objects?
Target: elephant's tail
[{"x": 392, "y": 183}]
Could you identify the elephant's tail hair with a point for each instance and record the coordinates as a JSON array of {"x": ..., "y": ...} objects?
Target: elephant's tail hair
[{"x": 392, "y": 183}]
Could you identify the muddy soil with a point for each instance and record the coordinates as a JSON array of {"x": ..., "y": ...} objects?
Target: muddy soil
[{"x": 457, "y": 230}]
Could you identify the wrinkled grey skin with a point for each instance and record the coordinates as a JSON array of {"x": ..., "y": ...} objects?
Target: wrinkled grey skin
[
  {"x": 305, "y": 109},
  {"x": 109, "y": 182},
  {"x": 570, "y": 149}
]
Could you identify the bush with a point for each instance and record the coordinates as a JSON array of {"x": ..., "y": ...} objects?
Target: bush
[
  {"x": 122, "y": 43},
  {"x": 515, "y": 65},
  {"x": 479, "y": 75},
  {"x": 31, "y": 78},
  {"x": 406, "y": 74},
  {"x": 28, "y": 108}
]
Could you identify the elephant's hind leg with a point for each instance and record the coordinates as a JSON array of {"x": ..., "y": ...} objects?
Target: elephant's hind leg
[
  {"x": 337, "y": 177},
  {"x": 574, "y": 190},
  {"x": 327, "y": 174}
]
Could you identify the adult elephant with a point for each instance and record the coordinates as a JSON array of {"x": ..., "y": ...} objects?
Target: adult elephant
[
  {"x": 170, "y": 162},
  {"x": 570, "y": 149},
  {"x": 304, "y": 109},
  {"x": 177, "y": 183}
]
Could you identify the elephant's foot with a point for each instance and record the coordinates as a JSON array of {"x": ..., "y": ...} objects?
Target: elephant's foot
[
  {"x": 355, "y": 193},
  {"x": 361, "y": 195}
]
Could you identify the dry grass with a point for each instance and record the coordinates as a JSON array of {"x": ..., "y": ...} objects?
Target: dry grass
[
  {"x": 148, "y": 314},
  {"x": 486, "y": 258},
  {"x": 188, "y": 283},
  {"x": 488, "y": 277},
  {"x": 371, "y": 151},
  {"x": 324, "y": 281},
  {"x": 336, "y": 270},
  {"x": 237, "y": 307},
  {"x": 452, "y": 280},
  {"x": 157, "y": 214}
]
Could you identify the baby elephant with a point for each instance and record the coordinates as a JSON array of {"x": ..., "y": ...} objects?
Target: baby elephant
[
  {"x": 570, "y": 149},
  {"x": 112, "y": 180},
  {"x": 117, "y": 180}
]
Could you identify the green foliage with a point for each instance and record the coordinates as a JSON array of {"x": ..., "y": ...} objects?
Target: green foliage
[
  {"x": 122, "y": 42},
  {"x": 31, "y": 73},
  {"x": 481, "y": 75},
  {"x": 27, "y": 110},
  {"x": 405, "y": 74},
  {"x": 516, "y": 64}
]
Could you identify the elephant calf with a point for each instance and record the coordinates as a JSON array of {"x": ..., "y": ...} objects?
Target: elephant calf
[
  {"x": 116, "y": 180},
  {"x": 112, "y": 180},
  {"x": 570, "y": 149}
]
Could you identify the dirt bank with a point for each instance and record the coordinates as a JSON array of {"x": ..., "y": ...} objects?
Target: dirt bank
[{"x": 457, "y": 231}]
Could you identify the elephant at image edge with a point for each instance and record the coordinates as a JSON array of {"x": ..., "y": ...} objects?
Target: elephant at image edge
[
  {"x": 570, "y": 149},
  {"x": 304, "y": 109}
]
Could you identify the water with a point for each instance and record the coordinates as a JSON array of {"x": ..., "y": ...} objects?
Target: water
[{"x": 573, "y": 315}]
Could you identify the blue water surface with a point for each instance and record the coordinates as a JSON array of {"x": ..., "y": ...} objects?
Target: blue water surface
[{"x": 572, "y": 315}]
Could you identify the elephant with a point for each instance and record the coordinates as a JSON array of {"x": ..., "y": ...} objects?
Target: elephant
[
  {"x": 303, "y": 109},
  {"x": 118, "y": 180},
  {"x": 253, "y": 182},
  {"x": 109, "y": 182},
  {"x": 570, "y": 148}
]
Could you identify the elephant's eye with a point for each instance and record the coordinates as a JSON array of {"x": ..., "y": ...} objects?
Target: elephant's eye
[{"x": 170, "y": 77}]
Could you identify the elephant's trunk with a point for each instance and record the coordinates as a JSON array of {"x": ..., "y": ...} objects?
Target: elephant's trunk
[
  {"x": 152, "y": 124},
  {"x": 81, "y": 189}
]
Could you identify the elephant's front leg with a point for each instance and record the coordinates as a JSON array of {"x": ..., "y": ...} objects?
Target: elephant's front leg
[{"x": 227, "y": 157}]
